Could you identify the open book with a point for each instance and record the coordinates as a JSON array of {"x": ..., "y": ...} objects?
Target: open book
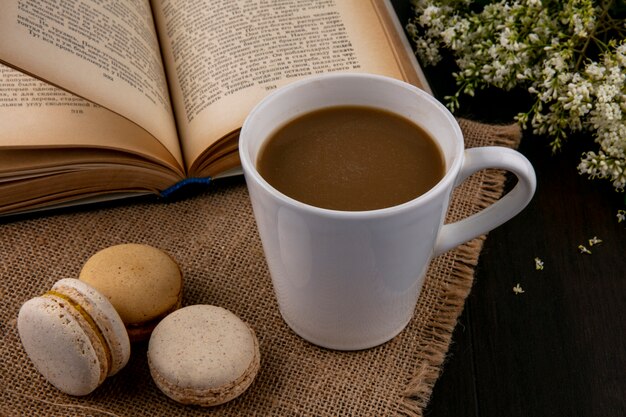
[{"x": 103, "y": 99}]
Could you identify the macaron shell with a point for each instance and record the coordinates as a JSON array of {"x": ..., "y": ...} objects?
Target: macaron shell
[
  {"x": 58, "y": 347},
  {"x": 104, "y": 315},
  {"x": 142, "y": 282},
  {"x": 203, "y": 355}
]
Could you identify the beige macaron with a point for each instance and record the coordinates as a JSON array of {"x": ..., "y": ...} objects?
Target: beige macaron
[
  {"x": 143, "y": 283},
  {"x": 73, "y": 336},
  {"x": 203, "y": 355}
]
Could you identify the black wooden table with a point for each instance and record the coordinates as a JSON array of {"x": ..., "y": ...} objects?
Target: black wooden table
[{"x": 559, "y": 348}]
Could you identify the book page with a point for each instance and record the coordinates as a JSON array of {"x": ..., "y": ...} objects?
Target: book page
[
  {"x": 224, "y": 56},
  {"x": 104, "y": 51},
  {"x": 36, "y": 115}
]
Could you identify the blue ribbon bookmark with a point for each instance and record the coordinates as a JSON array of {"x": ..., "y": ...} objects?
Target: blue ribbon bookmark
[{"x": 188, "y": 181}]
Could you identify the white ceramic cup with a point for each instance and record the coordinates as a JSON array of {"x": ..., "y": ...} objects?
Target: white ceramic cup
[{"x": 350, "y": 280}]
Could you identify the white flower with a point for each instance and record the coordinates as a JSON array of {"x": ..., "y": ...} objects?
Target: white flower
[
  {"x": 594, "y": 70},
  {"x": 448, "y": 35},
  {"x": 428, "y": 15},
  {"x": 594, "y": 241}
]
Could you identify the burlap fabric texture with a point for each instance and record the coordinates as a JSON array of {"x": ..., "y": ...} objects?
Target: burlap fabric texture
[{"x": 214, "y": 238}]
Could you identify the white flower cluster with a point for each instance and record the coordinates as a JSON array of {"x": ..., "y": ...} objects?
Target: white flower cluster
[
  {"x": 542, "y": 46},
  {"x": 608, "y": 117}
]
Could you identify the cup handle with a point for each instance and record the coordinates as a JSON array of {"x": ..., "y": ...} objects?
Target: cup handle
[{"x": 476, "y": 159}]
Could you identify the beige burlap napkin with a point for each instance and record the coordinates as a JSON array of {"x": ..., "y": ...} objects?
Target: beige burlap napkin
[{"x": 214, "y": 238}]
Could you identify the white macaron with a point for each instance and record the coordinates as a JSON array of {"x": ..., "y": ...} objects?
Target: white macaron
[
  {"x": 74, "y": 336},
  {"x": 203, "y": 355}
]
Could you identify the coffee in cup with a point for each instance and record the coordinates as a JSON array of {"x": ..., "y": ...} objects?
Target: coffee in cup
[{"x": 351, "y": 158}]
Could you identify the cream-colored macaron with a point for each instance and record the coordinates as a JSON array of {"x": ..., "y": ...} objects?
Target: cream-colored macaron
[
  {"x": 143, "y": 283},
  {"x": 73, "y": 336},
  {"x": 203, "y": 355}
]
